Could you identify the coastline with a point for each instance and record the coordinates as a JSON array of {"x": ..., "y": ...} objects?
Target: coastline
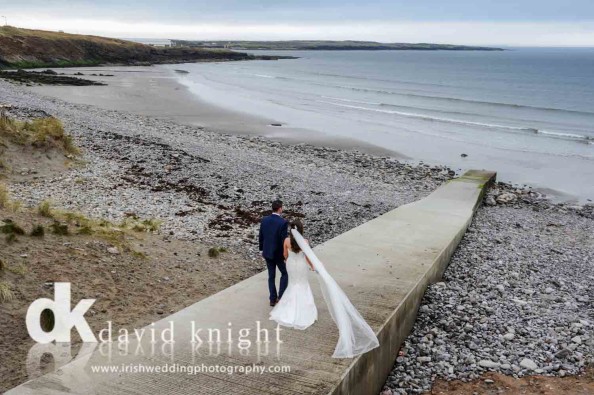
[
  {"x": 158, "y": 91},
  {"x": 210, "y": 186},
  {"x": 238, "y": 169},
  {"x": 155, "y": 91},
  {"x": 416, "y": 114}
]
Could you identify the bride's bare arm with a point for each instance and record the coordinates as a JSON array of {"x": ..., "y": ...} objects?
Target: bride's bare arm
[{"x": 286, "y": 248}]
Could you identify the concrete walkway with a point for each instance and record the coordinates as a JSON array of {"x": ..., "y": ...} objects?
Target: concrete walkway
[{"x": 384, "y": 266}]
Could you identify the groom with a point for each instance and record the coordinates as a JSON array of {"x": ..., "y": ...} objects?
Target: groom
[{"x": 273, "y": 232}]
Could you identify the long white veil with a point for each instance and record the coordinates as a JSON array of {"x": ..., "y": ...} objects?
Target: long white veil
[{"x": 355, "y": 335}]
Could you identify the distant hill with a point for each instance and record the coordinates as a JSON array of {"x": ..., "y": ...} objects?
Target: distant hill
[
  {"x": 327, "y": 45},
  {"x": 24, "y": 48}
]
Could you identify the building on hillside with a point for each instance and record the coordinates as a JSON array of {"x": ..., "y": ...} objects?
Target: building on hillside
[
  {"x": 197, "y": 44},
  {"x": 158, "y": 42}
]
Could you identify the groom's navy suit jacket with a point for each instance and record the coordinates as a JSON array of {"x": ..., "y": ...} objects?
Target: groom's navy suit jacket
[{"x": 273, "y": 232}]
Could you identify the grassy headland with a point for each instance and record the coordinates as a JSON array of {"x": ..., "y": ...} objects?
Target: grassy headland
[
  {"x": 328, "y": 45},
  {"x": 24, "y": 48}
]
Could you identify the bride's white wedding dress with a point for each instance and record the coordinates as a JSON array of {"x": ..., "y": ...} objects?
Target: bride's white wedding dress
[
  {"x": 355, "y": 336},
  {"x": 297, "y": 308}
]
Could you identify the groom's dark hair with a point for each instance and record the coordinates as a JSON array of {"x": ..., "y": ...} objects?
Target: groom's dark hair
[{"x": 276, "y": 205}]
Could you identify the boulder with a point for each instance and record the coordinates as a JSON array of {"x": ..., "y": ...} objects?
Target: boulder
[
  {"x": 485, "y": 363},
  {"x": 528, "y": 364},
  {"x": 506, "y": 197}
]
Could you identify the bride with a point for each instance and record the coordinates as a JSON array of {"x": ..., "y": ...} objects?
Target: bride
[{"x": 297, "y": 308}]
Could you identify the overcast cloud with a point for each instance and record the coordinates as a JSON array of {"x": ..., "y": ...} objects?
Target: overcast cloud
[{"x": 477, "y": 22}]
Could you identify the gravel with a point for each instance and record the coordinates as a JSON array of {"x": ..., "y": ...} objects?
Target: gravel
[
  {"x": 517, "y": 297},
  {"x": 209, "y": 186}
]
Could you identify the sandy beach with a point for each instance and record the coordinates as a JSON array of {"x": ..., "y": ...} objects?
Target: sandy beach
[
  {"x": 155, "y": 91},
  {"x": 519, "y": 286}
]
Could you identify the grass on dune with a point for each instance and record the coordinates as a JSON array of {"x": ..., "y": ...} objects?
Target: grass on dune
[
  {"x": 41, "y": 133},
  {"x": 37, "y": 231},
  {"x": 5, "y": 292},
  {"x": 214, "y": 252},
  {"x": 5, "y": 201},
  {"x": 19, "y": 269},
  {"x": 3, "y": 165},
  {"x": 45, "y": 209},
  {"x": 9, "y": 227},
  {"x": 4, "y": 196},
  {"x": 113, "y": 232}
]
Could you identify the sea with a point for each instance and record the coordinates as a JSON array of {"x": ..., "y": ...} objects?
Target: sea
[{"x": 527, "y": 113}]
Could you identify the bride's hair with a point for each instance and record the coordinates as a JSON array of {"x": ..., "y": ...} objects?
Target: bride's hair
[{"x": 299, "y": 226}]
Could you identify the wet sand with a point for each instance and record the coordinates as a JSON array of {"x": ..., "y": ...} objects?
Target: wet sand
[{"x": 155, "y": 91}]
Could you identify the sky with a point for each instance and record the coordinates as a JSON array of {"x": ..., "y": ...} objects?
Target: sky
[{"x": 471, "y": 22}]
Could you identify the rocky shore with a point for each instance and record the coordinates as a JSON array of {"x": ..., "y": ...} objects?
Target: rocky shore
[
  {"x": 517, "y": 297},
  {"x": 46, "y": 77},
  {"x": 209, "y": 186}
]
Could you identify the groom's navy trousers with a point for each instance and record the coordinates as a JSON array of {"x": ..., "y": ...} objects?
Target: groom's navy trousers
[
  {"x": 272, "y": 264},
  {"x": 273, "y": 232}
]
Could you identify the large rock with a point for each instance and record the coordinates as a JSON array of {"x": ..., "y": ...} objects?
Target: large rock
[
  {"x": 485, "y": 363},
  {"x": 528, "y": 364},
  {"x": 506, "y": 197},
  {"x": 564, "y": 353}
]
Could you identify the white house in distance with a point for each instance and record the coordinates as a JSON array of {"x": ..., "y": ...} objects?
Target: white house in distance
[{"x": 153, "y": 42}]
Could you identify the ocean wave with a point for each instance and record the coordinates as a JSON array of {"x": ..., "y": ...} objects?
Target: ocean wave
[
  {"x": 274, "y": 77},
  {"x": 468, "y": 101},
  {"x": 567, "y": 136},
  {"x": 382, "y": 80},
  {"x": 430, "y": 97},
  {"x": 443, "y": 98},
  {"x": 353, "y": 101},
  {"x": 398, "y": 106},
  {"x": 535, "y": 131},
  {"x": 264, "y": 76}
]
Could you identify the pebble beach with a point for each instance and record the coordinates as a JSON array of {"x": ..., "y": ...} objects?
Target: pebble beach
[{"x": 517, "y": 297}]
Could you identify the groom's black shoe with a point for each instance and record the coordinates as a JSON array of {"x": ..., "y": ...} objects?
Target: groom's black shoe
[{"x": 272, "y": 303}]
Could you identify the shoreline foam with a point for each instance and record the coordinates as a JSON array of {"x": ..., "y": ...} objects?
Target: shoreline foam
[{"x": 157, "y": 91}]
